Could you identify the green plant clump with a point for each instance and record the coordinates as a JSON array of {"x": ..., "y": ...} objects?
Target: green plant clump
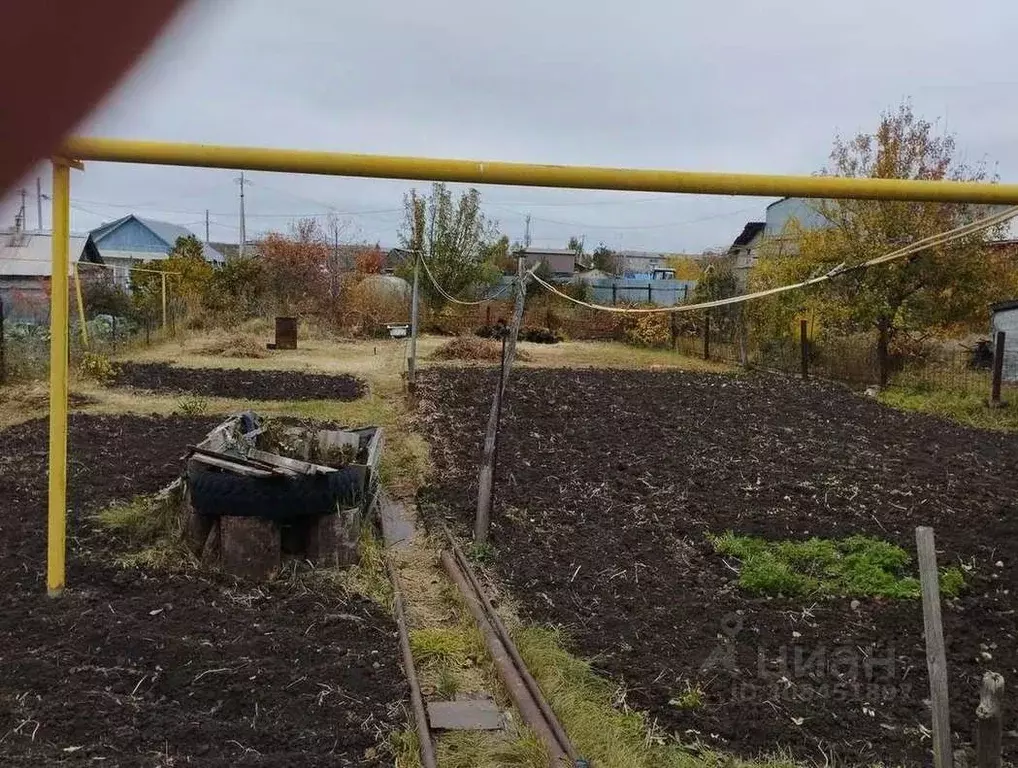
[
  {"x": 98, "y": 367},
  {"x": 858, "y": 566}
]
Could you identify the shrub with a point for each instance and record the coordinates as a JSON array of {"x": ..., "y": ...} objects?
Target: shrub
[
  {"x": 98, "y": 367},
  {"x": 650, "y": 330}
]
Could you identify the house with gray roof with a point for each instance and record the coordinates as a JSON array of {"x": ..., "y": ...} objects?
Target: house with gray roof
[{"x": 131, "y": 240}]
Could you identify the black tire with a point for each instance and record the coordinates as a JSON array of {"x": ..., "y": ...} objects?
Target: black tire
[{"x": 216, "y": 493}]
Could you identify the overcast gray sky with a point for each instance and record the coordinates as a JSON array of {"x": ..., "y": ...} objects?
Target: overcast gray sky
[{"x": 741, "y": 85}]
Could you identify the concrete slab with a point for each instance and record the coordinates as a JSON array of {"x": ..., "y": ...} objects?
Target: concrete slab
[
  {"x": 397, "y": 527},
  {"x": 477, "y": 715}
]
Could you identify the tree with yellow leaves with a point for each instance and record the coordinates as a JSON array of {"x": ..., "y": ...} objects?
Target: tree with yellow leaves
[{"x": 926, "y": 292}]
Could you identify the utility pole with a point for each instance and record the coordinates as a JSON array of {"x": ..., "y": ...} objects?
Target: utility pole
[
  {"x": 411, "y": 363},
  {"x": 526, "y": 234},
  {"x": 206, "y": 226},
  {"x": 38, "y": 201},
  {"x": 243, "y": 228},
  {"x": 20, "y": 222}
]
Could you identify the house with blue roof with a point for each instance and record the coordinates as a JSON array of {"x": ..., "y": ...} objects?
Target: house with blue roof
[{"x": 126, "y": 242}]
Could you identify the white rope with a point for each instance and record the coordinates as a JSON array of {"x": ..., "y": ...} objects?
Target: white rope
[
  {"x": 940, "y": 238},
  {"x": 444, "y": 294}
]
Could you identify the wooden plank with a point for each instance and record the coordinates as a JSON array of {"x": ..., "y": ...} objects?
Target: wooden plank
[
  {"x": 936, "y": 656},
  {"x": 232, "y": 466},
  {"x": 290, "y": 466},
  {"x": 989, "y": 722},
  {"x": 475, "y": 715}
]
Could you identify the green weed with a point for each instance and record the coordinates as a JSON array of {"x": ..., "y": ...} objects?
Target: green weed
[
  {"x": 858, "y": 566},
  {"x": 192, "y": 405},
  {"x": 98, "y": 367}
]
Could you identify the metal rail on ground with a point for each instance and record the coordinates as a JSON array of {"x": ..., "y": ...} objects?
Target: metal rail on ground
[{"x": 523, "y": 688}]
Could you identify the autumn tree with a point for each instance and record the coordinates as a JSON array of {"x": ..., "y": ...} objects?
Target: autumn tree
[
  {"x": 927, "y": 291},
  {"x": 453, "y": 237},
  {"x": 296, "y": 266},
  {"x": 685, "y": 267},
  {"x": 370, "y": 260}
]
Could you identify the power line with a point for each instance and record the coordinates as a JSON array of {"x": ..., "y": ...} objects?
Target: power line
[
  {"x": 448, "y": 297},
  {"x": 660, "y": 225},
  {"x": 941, "y": 238}
]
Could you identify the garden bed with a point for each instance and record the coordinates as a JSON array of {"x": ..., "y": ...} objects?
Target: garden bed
[
  {"x": 134, "y": 667},
  {"x": 611, "y": 482},
  {"x": 239, "y": 383}
]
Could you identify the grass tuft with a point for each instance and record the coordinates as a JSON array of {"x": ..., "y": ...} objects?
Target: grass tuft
[
  {"x": 858, "y": 566},
  {"x": 964, "y": 406},
  {"x": 594, "y": 714},
  {"x": 151, "y": 527}
]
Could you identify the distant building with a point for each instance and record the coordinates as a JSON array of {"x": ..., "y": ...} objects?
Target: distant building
[
  {"x": 788, "y": 211},
  {"x": 640, "y": 265},
  {"x": 26, "y": 265},
  {"x": 743, "y": 251},
  {"x": 561, "y": 262},
  {"x": 123, "y": 243}
]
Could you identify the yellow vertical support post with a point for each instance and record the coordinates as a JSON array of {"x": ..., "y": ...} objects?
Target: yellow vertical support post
[
  {"x": 58, "y": 365},
  {"x": 163, "y": 276},
  {"x": 81, "y": 307}
]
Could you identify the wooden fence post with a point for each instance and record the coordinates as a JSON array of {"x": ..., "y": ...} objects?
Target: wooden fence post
[
  {"x": 998, "y": 369},
  {"x": 936, "y": 657},
  {"x": 486, "y": 476},
  {"x": 650, "y": 293},
  {"x": 706, "y": 334},
  {"x": 615, "y": 293},
  {"x": 673, "y": 327},
  {"x": 804, "y": 348},
  {"x": 989, "y": 722}
]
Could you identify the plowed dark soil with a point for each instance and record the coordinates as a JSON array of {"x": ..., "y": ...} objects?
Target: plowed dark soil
[
  {"x": 238, "y": 382},
  {"x": 135, "y": 668},
  {"x": 609, "y": 482}
]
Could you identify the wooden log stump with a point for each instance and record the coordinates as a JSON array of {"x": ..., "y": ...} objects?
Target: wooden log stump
[
  {"x": 989, "y": 722},
  {"x": 251, "y": 547},
  {"x": 333, "y": 539}
]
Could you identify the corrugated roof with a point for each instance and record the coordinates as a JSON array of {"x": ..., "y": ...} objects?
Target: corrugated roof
[
  {"x": 164, "y": 230},
  {"x": 29, "y": 254}
]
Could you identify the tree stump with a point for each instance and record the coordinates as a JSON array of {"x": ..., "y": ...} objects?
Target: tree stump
[
  {"x": 989, "y": 722},
  {"x": 250, "y": 547}
]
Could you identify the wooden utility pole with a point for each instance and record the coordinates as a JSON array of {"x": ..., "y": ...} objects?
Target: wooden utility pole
[
  {"x": 486, "y": 476},
  {"x": 206, "y": 225},
  {"x": 936, "y": 657}
]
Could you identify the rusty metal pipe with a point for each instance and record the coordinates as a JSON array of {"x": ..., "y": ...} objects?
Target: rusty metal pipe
[
  {"x": 428, "y": 759},
  {"x": 503, "y": 632},
  {"x": 518, "y": 691}
]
